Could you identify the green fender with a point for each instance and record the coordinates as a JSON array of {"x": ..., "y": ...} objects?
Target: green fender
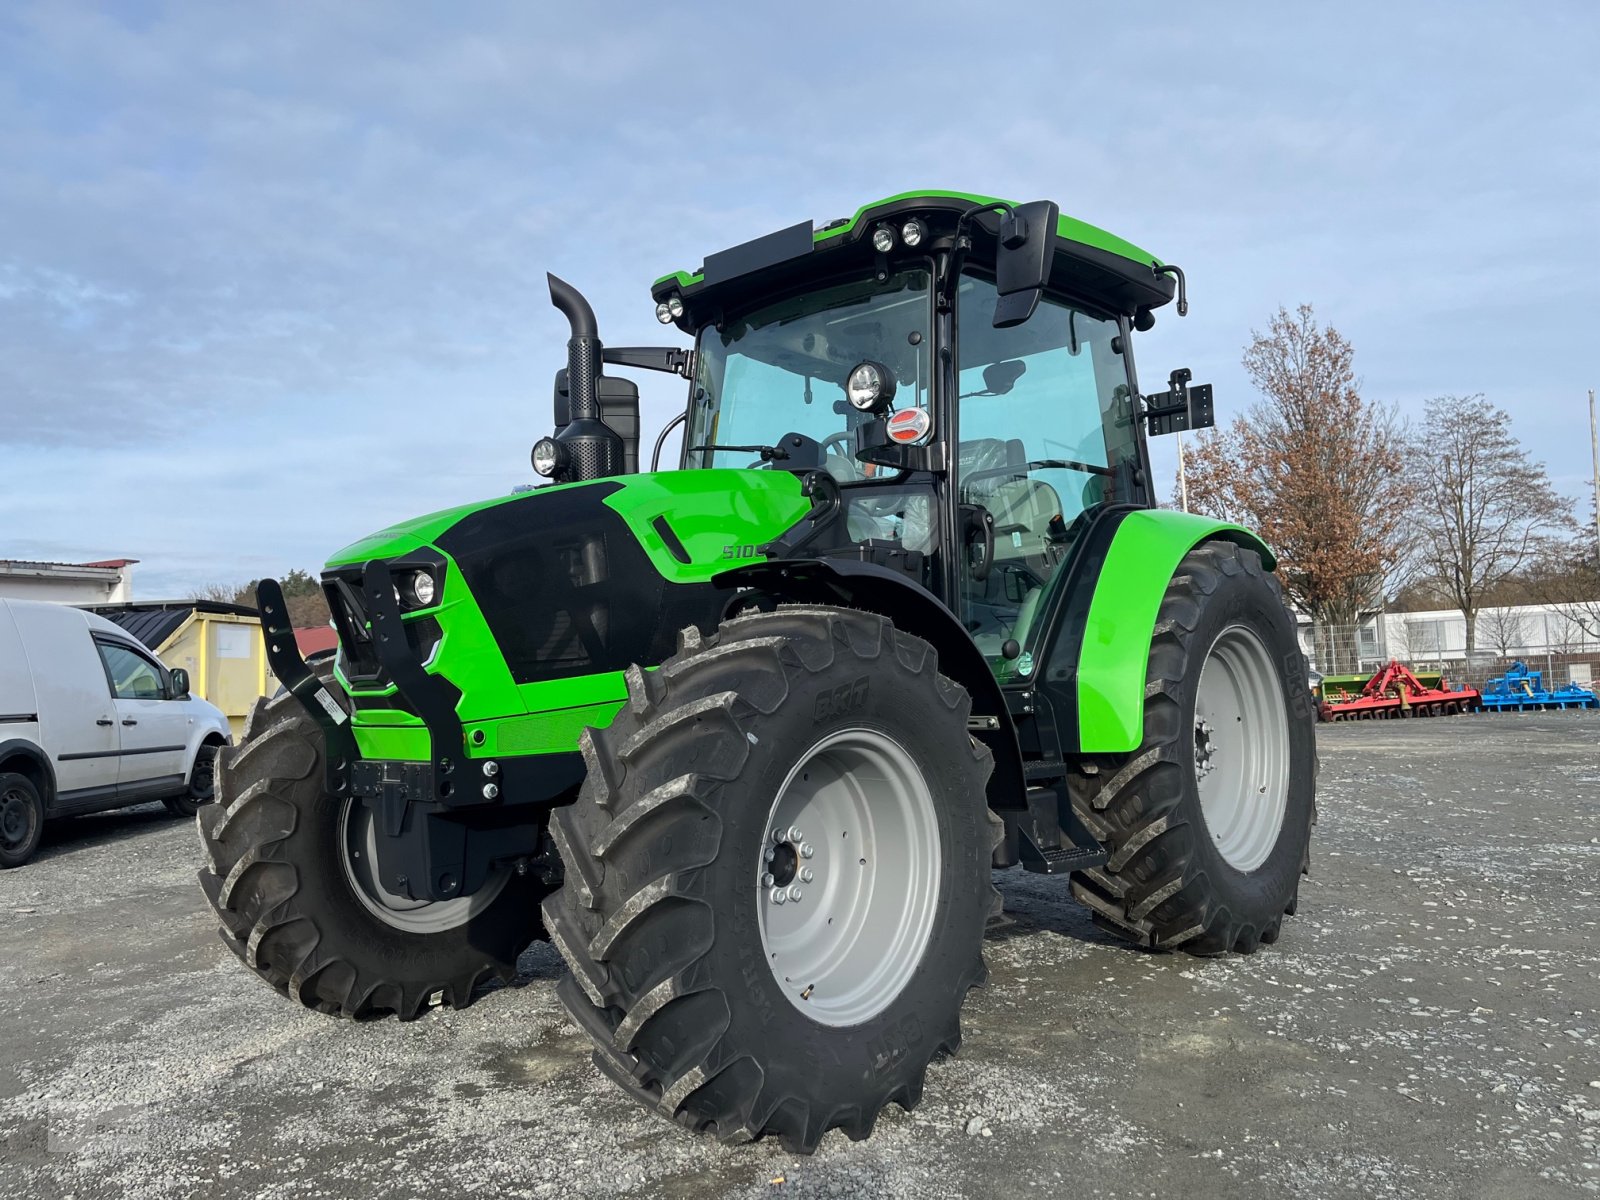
[{"x": 1144, "y": 555}]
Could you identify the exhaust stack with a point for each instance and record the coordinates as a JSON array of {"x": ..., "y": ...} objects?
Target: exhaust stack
[{"x": 585, "y": 447}]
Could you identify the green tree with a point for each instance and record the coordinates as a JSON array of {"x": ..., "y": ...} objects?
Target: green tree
[{"x": 302, "y": 592}]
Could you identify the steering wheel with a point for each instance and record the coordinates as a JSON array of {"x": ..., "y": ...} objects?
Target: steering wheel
[{"x": 838, "y": 446}]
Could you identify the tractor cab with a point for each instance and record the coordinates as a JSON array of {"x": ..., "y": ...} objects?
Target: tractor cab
[{"x": 961, "y": 370}]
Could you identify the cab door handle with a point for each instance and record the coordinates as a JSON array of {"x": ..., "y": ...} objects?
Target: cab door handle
[
  {"x": 127, "y": 721},
  {"x": 103, "y": 721}
]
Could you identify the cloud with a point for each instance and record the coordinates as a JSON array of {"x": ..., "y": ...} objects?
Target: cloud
[{"x": 273, "y": 276}]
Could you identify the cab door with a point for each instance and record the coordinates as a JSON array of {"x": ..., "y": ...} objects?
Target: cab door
[
  {"x": 154, "y": 731},
  {"x": 1046, "y": 438}
]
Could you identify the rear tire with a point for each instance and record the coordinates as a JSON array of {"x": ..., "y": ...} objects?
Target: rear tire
[
  {"x": 21, "y": 819},
  {"x": 1208, "y": 823},
  {"x": 283, "y": 880},
  {"x": 678, "y": 947}
]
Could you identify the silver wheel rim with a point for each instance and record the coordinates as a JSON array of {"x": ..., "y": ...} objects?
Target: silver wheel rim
[
  {"x": 848, "y": 878},
  {"x": 358, "y": 846},
  {"x": 1241, "y": 748}
]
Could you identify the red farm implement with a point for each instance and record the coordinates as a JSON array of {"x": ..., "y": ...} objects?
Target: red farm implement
[{"x": 1395, "y": 692}]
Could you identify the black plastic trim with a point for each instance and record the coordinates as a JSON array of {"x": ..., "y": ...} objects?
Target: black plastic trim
[
  {"x": 75, "y": 757},
  {"x": 670, "y": 538}
]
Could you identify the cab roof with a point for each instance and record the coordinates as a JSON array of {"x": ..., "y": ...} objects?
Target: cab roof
[{"x": 1087, "y": 260}]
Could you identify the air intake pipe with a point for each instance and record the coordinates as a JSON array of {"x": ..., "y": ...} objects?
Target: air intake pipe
[{"x": 585, "y": 446}]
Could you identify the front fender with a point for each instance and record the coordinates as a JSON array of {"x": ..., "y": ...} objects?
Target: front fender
[{"x": 1143, "y": 557}]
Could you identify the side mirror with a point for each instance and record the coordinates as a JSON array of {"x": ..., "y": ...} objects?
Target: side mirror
[
  {"x": 180, "y": 683},
  {"x": 1022, "y": 260}
]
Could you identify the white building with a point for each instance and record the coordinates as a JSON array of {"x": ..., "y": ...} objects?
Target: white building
[
  {"x": 1540, "y": 634},
  {"x": 108, "y": 582}
]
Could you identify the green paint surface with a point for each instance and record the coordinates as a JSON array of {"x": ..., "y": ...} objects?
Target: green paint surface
[
  {"x": 1070, "y": 228},
  {"x": 1144, "y": 555},
  {"x": 709, "y": 511},
  {"x": 409, "y": 742}
]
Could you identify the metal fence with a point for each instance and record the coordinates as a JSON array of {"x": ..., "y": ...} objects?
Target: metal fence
[{"x": 1566, "y": 652}]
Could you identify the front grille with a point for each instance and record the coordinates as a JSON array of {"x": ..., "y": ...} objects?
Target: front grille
[{"x": 358, "y": 659}]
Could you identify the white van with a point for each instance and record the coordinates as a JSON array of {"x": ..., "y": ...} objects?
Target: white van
[{"x": 91, "y": 720}]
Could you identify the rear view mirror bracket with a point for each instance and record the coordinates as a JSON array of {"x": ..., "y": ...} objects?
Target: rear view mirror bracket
[{"x": 1180, "y": 407}]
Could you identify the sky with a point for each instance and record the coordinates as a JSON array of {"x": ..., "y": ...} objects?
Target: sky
[{"x": 272, "y": 275}]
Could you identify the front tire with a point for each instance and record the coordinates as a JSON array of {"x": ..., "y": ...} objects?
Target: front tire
[
  {"x": 1208, "y": 823},
  {"x": 202, "y": 783},
  {"x": 820, "y": 750},
  {"x": 286, "y": 875}
]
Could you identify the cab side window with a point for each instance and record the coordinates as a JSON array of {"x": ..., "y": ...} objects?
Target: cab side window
[{"x": 132, "y": 675}]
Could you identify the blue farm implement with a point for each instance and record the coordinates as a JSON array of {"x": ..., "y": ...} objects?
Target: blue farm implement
[
  {"x": 1395, "y": 692},
  {"x": 1520, "y": 690}
]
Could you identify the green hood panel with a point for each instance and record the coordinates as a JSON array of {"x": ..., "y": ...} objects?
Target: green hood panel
[
  {"x": 707, "y": 510},
  {"x": 711, "y": 518},
  {"x": 1144, "y": 556}
]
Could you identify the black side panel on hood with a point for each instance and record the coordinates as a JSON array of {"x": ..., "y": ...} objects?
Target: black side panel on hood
[{"x": 566, "y": 588}]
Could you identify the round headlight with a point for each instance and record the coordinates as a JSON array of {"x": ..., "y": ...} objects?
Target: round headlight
[
  {"x": 546, "y": 457},
  {"x": 664, "y": 313},
  {"x": 883, "y": 239},
  {"x": 675, "y": 307},
  {"x": 421, "y": 588},
  {"x": 912, "y": 233},
  {"x": 870, "y": 387}
]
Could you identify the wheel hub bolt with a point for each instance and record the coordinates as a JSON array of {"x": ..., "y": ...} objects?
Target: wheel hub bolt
[
  {"x": 779, "y": 895},
  {"x": 795, "y": 893},
  {"x": 794, "y": 834},
  {"x": 769, "y": 854},
  {"x": 806, "y": 874},
  {"x": 767, "y": 880},
  {"x": 780, "y": 835},
  {"x": 806, "y": 850}
]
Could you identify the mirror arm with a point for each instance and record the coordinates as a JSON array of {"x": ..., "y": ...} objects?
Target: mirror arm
[{"x": 672, "y": 359}]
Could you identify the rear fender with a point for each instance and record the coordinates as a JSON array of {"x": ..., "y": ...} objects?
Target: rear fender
[
  {"x": 871, "y": 588},
  {"x": 1143, "y": 557}
]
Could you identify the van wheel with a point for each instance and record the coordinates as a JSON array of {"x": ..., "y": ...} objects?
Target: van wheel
[
  {"x": 202, "y": 783},
  {"x": 21, "y": 819}
]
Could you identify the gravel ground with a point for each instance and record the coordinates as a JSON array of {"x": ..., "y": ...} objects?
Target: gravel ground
[{"x": 1428, "y": 1026}]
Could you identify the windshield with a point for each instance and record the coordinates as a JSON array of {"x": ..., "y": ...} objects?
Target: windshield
[{"x": 782, "y": 368}]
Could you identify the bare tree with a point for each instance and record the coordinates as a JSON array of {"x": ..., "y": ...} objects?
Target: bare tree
[
  {"x": 224, "y": 593},
  {"x": 1503, "y": 628},
  {"x": 1566, "y": 575},
  {"x": 1484, "y": 508},
  {"x": 1309, "y": 466}
]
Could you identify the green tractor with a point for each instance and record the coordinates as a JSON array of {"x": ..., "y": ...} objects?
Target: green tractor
[{"x": 746, "y": 739}]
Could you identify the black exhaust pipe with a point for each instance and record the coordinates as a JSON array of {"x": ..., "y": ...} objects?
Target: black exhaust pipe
[{"x": 588, "y": 448}]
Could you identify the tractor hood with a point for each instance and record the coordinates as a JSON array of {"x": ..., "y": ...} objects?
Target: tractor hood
[
  {"x": 540, "y": 601},
  {"x": 690, "y": 524}
]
